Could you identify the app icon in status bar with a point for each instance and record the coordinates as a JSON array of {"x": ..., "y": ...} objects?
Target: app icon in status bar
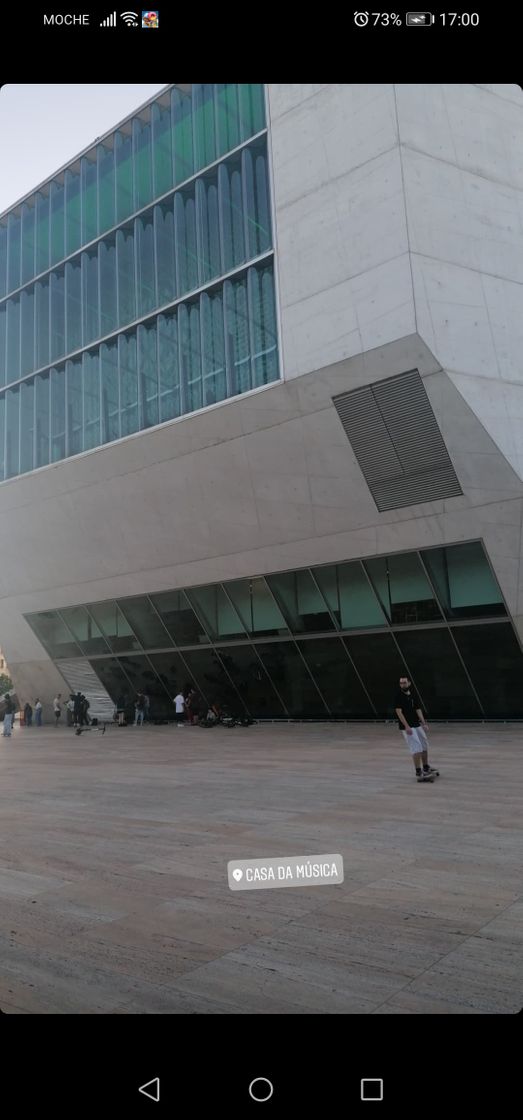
[{"x": 150, "y": 19}]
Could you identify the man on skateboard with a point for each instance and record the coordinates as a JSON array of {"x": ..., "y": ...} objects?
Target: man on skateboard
[{"x": 411, "y": 722}]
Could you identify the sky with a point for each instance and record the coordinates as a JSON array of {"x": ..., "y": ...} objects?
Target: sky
[{"x": 44, "y": 126}]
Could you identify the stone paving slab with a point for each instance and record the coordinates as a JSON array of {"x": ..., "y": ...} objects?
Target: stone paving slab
[{"x": 113, "y": 871}]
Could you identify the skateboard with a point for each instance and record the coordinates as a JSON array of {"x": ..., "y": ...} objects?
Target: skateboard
[{"x": 428, "y": 777}]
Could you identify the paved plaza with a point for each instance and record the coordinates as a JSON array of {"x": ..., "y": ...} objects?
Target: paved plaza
[{"x": 113, "y": 871}]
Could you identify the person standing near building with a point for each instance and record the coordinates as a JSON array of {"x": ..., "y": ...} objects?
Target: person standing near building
[
  {"x": 77, "y": 709},
  {"x": 8, "y": 717},
  {"x": 57, "y": 708},
  {"x": 179, "y": 703},
  {"x": 28, "y": 714},
  {"x": 38, "y": 712},
  {"x": 70, "y": 710},
  {"x": 139, "y": 709},
  {"x": 411, "y": 722}
]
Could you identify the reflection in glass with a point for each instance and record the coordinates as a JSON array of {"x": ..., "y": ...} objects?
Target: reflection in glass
[
  {"x": 27, "y": 425},
  {"x": 172, "y": 672},
  {"x": 53, "y": 634},
  {"x": 144, "y": 679},
  {"x": 170, "y": 404},
  {"x": 380, "y": 666},
  {"x": 58, "y": 433},
  {"x": 349, "y": 596},
  {"x": 12, "y": 433},
  {"x": 334, "y": 674},
  {"x": 84, "y": 629},
  {"x": 114, "y": 626},
  {"x": 148, "y": 371},
  {"x": 216, "y": 611},
  {"x": 493, "y": 658},
  {"x": 403, "y": 588},
  {"x": 256, "y": 607},
  {"x": 91, "y": 399},
  {"x": 291, "y": 678},
  {"x": 28, "y": 242},
  {"x": 252, "y": 682},
  {"x": 110, "y": 391},
  {"x": 57, "y": 209},
  {"x": 208, "y": 676},
  {"x": 301, "y": 603},
  {"x": 145, "y": 622},
  {"x": 463, "y": 580},
  {"x": 75, "y": 434},
  {"x": 42, "y": 418},
  {"x": 89, "y": 199},
  {"x": 439, "y": 673},
  {"x": 179, "y": 618},
  {"x": 128, "y": 383}
]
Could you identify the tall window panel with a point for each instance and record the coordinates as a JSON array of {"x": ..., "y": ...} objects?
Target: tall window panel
[
  {"x": 42, "y": 419},
  {"x": 27, "y": 312},
  {"x": 208, "y": 226},
  {"x": 262, "y": 316},
  {"x": 148, "y": 373},
  {"x": 237, "y": 336},
  {"x": 57, "y": 211},
  {"x": 106, "y": 186},
  {"x": 91, "y": 399},
  {"x": 2, "y": 437},
  {"x": 227, "y": 118},
  {"x": 403, "y": 588},
  {"x": 13, "y": 339},
  {"x": 169, "y": 363},
  {"x": 57, "y": 286},
  {"x": 214, "y": 378},
  {"x": 73, "y": 304},
  {"x": 3, "y": 259},
  {"x": 110, "y": 391},
  {"x": 14, "y": 251},
  {"x": 128, "y": 383},
  {"x": 165, "y": 252},
  {"x": 28, "y": 240},
  {"x": 231, "y": 212},
  {"x": 27, "y": 426},
  {"x": 3, "y": 343},
  {"x": 181, "y": 116},
  {"x": 108, "y": 289},
  {"x": 162, "y": 146},
  {"x": 142, "y": 159},
  {"x": 75, "y": 435},
  {"x": 73, "y": 211},
  {"x": 185, "y": 239},
  {"x": 190, "y": 356},
  {"x": 252, "y": 109},
  {"x": 123, "y": 154},
  {"x": 88, "y": 177},
  {"x": 42, "y": 321},
  {"x": 58, "y": 424},
  {"x": 12, "y": 433},
  {"x": 203, "y": 125},
  {"x": 145, "y": 272},
  {"x": 256, "y": 194},
  {"x": 126, "y": 275},
  {"x": 90, "y": 295}
]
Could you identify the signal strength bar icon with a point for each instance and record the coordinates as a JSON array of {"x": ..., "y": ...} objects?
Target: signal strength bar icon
[
  {"x": 130, "y": 18},
  {"x": 110, "y": 21}
]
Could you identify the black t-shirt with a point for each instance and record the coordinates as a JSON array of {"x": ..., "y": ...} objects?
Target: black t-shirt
[{"x": 408, "y": 701}]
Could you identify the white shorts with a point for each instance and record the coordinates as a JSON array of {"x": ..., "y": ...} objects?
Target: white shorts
[{"x": 417, "y": 741}]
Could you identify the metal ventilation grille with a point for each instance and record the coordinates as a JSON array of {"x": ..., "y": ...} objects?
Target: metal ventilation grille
[
  {"x": 81, "y": 677},
  {"x": 397, "y": 442}
]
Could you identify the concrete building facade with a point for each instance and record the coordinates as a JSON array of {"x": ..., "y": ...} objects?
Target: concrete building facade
[{"x": 327, "y": 303}]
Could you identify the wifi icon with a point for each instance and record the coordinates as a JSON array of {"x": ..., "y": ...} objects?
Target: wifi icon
[{"x": 130, "y": 18}]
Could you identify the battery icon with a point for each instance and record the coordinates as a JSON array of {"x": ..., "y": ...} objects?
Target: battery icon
[{"x": 419, "y": 19}]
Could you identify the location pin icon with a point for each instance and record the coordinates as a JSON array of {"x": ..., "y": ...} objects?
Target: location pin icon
[{"x": 237, "y": 874}]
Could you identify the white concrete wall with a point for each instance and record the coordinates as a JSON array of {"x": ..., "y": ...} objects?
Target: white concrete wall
[
  {"x": 400, "y": 209},
  {"x": 340, "y": 224}
]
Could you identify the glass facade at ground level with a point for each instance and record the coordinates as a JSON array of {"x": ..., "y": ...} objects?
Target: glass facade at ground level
[
  {"x": 328, "y": 642},
  {"x": 138, "y": 285}
]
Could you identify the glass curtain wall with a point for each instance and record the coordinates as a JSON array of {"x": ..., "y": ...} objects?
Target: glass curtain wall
[
  {"x": 189, "y": 209},
  {"x": 316, "y": 643}
]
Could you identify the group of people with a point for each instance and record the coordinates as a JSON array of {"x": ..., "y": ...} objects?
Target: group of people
[
  {"x": 76, "y": 709},
  {"x": 10, "y": 712}
]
